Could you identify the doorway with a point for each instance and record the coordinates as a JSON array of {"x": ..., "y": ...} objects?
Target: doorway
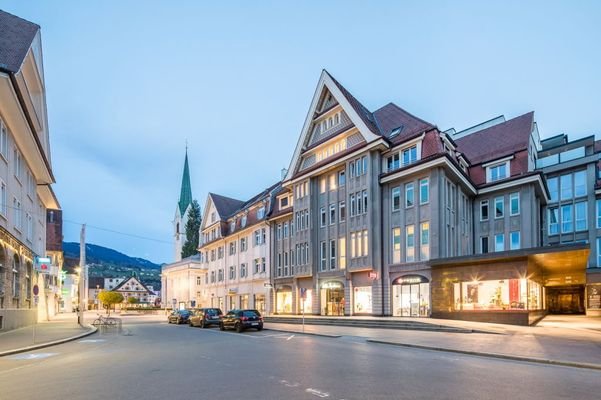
[{"x": 566, "y": 299}]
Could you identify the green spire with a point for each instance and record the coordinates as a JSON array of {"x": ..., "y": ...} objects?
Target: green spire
[{"x": 185, "y": 197}]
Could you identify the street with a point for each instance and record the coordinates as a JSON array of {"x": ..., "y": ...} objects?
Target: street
[{"x": 153, "y": 360}]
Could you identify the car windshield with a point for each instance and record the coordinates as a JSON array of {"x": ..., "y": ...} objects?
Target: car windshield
[
  {"x": 250, "y": 313},
  {"x": 212, "y": 311}
]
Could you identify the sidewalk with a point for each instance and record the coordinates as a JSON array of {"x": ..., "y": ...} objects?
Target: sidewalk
[
  {"x": 62, "y": 327},
  {"x": 577, "y": 343}
]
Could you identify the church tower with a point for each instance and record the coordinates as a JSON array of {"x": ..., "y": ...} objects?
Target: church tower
[{"x": 181, "y": 211}]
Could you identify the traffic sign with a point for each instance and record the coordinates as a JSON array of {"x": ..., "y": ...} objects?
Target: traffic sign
[
  {"x": 303, "y": 293},
  {"x": 36, "y": 290},
  {"x": 36, "y": 300}
]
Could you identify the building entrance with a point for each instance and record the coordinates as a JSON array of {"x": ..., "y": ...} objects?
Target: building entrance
[
  {"x": 332, "y": 298},
  {"x": 566, "y": 299},
  {"x": 411, "y": 296}
]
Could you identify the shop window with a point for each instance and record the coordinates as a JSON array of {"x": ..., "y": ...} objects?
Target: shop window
[
  {"x": 363, "y": 300},
  {"x": 505, "y": 294}
]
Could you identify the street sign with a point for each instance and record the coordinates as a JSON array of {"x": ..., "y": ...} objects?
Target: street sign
[
  {"x": 36, "y": 300},
  {"x": 303, "y": 293},
  {"x": 36, "y": 290},
  {"x": 372, "y": 275},
  {"x": 42, "y": 264}
]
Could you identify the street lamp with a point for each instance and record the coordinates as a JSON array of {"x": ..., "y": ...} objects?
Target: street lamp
[{"x": 79, "y": 296}]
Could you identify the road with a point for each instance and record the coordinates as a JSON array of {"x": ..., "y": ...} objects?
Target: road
[{"x": 160, "y": 361}]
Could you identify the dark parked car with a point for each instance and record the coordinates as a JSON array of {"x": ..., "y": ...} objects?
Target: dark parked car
[
  {"x": 204, "y": 317},
  {"x": 241, "y": 320},
  {"x": 179, "y": 317}
]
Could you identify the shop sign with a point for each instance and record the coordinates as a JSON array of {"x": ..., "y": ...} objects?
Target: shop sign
[
  {"x": 42, "y": 264},
  {"x": 410, "y": 280},
  {"x": 594, "y": 297},
  {"x": 372, "y": 275},
  {"x": 332, "y": 285}
]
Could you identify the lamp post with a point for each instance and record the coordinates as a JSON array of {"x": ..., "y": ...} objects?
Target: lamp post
[{"x": 79, "y": 296}]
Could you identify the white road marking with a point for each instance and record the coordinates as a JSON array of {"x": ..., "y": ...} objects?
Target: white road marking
[
  {"x": 317, "y": 393},
  {"x": 291, "y": 336},
  {"x": 288, "y": 384},
  {"x": 31, "y": 356},
  {"x": 92, "y": 341}
]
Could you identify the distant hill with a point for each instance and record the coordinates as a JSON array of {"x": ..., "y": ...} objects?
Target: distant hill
[{"x": 109, "y": 263}]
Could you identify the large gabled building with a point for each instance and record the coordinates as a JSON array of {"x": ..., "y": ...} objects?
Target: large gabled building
[{"x": 25, "y": 173}]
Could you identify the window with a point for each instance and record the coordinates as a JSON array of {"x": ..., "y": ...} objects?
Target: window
[
  {"x": 497, "y": 172},
  {"x": 232, "y": 226},
  {"x": 409, "y": 199},
  {"x": 18, "y": 214},
  {"x": 580, "y": 184},
  {"x": 514, "y": 238},
  {"x": 499, "y": 242},
  {"x": 365, "y": 243},
  {"x": 396, "y": 245},
  {"x": 514, "y": 204},
  {"x": 232, "y": 272},
  {"x": 322, "y": 256},
  {"x": 342, "y": 211},
  {"x": 553, "y": 189},
  {"x": 4, "y": 205},
  {"x": 499, "y": 207},
  {"x": 553, "y": 221},
  {"x": 566, "y": 186},
  {"x": 351, "y": 167},
  {"x": 598, "y": 213},
  {"x": 393, "y": 162},
  {"x": 257, "y": 265},
  {"x": 220, "y": 252},
  {"x": 424, "y": 191},
  {"x": 29, "y": 230},
  {"x": 213, "y": 255},
  {"x": 286, "y": 229},
  {"x": 333, "y": 182},
  {"x": 213, "y": 217},
  {"x": 484, "y": 244},
  {"x": 261, "y": 213},
  {"x": 232, "y": 248},
  {"x": 484, "y": 210},
  {"x": 566, "y": 219},
  {"x": 409, "y": 155},
  {"x": 332, "y": 214},
  {"x": 359, "y": 203},
  {"x": 243, "y": 271},
  {"x": 257, "y": 238},
  {"x": 243, "y": 244},
  {"x": 243, "y": 221},
  {"x": 342, "y": 252},
  {"x": 365, "y": 201},
  {"x": 396, "y": 199},
  {"x": 322, "y": 213},
  {"x": 360, "y": 244},
  {"x": 286, "y": 263},
  {"x": 353, "y": 244},
  {"x": 364, "y": 162},
  {"x": 212, "y": 276},
  {"x": 353, "y": 206},
  {"x": 3, "y": 140},
  {"x": 580, "y": 215},
  {"x": 30, "y": 185},
  {"x": 322, "y": 184},
  {"x": 18, "y": 165},
  {"x": 424, "y": 241},
  {"x": 598, "y": 252},
  {"x": 409, "y": 243},
  {"x": 263, "y": 236},
  {"x": 341, "y": 178},
  {"x": 220, "y": 275},
  {"x": 333, "y": 254}
]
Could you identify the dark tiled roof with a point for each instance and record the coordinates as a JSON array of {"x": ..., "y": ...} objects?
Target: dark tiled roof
[
  {"x": 225, "y": 205},
  {"x": 497, "y": 141},
  {"x": 390, "y": 117},
  {"x": 16, "y": 35},
  {"x": 93, "y": 281}
]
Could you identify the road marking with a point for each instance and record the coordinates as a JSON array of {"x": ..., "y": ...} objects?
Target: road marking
[
  {"x": 92, "y": 341},
  {"x": 317, "y": 393},
  {"x": 291, "y": 336},
  {"x": 288, "y": 384},
  {"x": 32, "y": 356}
]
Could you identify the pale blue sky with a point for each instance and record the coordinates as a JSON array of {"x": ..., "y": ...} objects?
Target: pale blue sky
[{"x": 129, "y": 81}]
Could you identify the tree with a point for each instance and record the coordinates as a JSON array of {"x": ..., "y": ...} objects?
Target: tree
[
  {"x": 109, "y": 298},
  {"x": 132, "y": 300},
  {"x": 192, "y": 230}
]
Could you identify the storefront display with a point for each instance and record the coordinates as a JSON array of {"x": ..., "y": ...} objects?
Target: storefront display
[
  {"x": 307, "y": 302},
  {"x": 332, "y": 298},
  {"x": 411, "y": 296},
  {"x": 504, "y": 294},
  {"x": 362, "y": 300},
  {"x": 284, "y": 301}
]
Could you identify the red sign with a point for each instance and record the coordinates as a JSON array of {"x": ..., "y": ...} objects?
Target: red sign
[{"x": 372, "y": 275}]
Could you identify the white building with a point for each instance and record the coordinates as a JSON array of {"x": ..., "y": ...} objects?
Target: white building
[
  {"x": 235, "y": 241},
  {"x": 182, "y": 284},
  {"x": 25, "y": 171}
]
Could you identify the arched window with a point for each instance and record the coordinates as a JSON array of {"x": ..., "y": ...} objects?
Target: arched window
[
  {"x": 16, "y": 276},
  {"x": 177, "y": 228},
  {"x": 337, "y": 119},
  {"x": 330, "y": 122}
]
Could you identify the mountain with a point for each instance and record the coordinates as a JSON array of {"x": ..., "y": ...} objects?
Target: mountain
[{"x": 108, "y": 263}]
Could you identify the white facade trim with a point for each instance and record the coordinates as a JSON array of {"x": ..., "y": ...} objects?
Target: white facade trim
[{"x": 498, "y": 161}]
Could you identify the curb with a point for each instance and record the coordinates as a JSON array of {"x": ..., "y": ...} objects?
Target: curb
[
  {"x": 303, "y": 333},
  {"x": 92, "y": 329},
  {"x": 572, "y": 364}
]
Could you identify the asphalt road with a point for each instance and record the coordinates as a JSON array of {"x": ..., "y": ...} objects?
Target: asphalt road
[{"x": 160, "y": 361}]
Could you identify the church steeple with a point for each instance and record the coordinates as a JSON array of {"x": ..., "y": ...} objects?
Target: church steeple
[{"x": 185, "y": 197}]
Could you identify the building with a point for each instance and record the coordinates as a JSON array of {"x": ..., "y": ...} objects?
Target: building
[
  {"x": 132, "y": 287},
  {"x": 25, "y": 171},
  {"x": 181, "y": 212},
  {"x": 49, "y": 304},
  {"x": 182, "y": 283},
  {"x": 382, "y": 213},
  {"x": 235, "y": 242}
]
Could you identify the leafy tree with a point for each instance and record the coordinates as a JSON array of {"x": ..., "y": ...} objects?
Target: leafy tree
[
  {"x": 109, "y": 298},
  {"x": 192, "y": 230},
  {"x": 132, "y": 300}
]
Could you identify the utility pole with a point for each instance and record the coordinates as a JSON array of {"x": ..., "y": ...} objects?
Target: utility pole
[{"x": 83, "y": 274}]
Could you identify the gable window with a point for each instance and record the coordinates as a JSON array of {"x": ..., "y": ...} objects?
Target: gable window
[
  {"x": 396, "y": 199},
  {"x": 497, "y": 172},
  {"x": 213, "y": 217},
  {"x": 409, "y": 155},
  {"x": 484, "y": 210},
  {"x": 514, "y": 204},
  {"x": 499, "y": 207},
  {"x": 232, "y": 226},
  {"x": 243, "y": 221},
  {"x": 424, "y": 191},
  {"x": 409, "y": 195}
]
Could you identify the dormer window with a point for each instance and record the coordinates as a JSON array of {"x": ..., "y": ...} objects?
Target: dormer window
[
  {"x": 409, "y": 155},
  {"x": 393, "y": 162},
  {"x": 243, "y": 222},
  {"x": 261, "y": 213},
  {"x": 497, "y": 170},
  {"x": 232, "y": 226}
]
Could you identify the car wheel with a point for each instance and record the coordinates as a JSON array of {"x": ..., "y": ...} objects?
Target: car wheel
[
  {"x": 260, "y": 328},
  {"x": 221, "y": 327},
  {"x": 238, "y": 327},
  {"x": 202, "y": 323},
  {"x": 190, "y": 324}
]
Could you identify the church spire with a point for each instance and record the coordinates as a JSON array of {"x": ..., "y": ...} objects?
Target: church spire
[{"x": 185, "y": 197}]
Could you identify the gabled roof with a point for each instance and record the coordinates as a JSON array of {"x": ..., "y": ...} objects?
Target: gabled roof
[
  {"x": 497, "y": 141},
  {"x": 225, "y": 205},
  {"x": 392, "y": 118},
  {"x": 16, "y": 36},
  {"x": 185, "y": 197},
  {"x": 126, "y": 280}
]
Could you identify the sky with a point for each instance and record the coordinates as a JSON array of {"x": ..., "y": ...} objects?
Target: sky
[{"x": 129, "y": 83}]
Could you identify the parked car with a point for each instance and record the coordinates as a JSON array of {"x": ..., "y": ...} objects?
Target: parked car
[
  {"x": 204, "y": 317},
  {"x": 241, "y": 320},
  {"x": 179, "y": 317}
]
